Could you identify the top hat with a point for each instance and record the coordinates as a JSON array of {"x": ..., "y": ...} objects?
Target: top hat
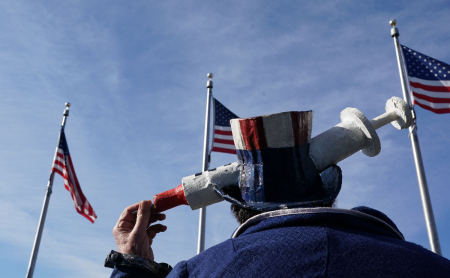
[{"x": 276, "y": 170}]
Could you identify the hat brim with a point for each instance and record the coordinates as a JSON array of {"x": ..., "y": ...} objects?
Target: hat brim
[{"x": 331, "y": 183}]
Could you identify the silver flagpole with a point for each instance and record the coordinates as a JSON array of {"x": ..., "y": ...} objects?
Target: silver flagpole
[
  {"x": 425, "y": 195},
  {"x": 37, "y": 240},
  {"x": 202, "y": 220}
]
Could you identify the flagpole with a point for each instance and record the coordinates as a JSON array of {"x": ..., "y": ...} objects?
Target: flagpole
[
  {"x": 37, "y": 240},
  {"x": 425, "y": 195},
  {"x": 202, "y": 219}
]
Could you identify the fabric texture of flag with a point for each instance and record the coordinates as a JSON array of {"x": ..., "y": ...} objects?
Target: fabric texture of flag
[
  {"x": 429, "y": 81},
  {"x": 63, "y": 166},
  {"x": 223, "y": 138}
]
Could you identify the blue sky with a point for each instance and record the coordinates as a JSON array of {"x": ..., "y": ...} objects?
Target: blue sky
[{"x": 135, "y": 74}]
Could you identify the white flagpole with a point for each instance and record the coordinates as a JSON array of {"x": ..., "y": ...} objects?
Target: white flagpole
[
  {"x": 37, "y": 240},
  {"x": 425, "y": 195},
  {"x": 202, "y": 220}
]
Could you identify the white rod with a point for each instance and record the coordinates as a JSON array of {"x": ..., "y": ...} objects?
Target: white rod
[
  {"x": 421, "y": 178},
  {"x": 384, "y": 119},
  {"x": 37, "y": 240},
  {"x": 202, "y": 217}
]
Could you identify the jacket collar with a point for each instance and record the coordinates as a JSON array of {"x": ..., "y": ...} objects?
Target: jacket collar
[{"x": 363, "y": 217}]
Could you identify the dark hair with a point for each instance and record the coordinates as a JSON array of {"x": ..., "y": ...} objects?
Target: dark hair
[{"x": 243, "y": 214}]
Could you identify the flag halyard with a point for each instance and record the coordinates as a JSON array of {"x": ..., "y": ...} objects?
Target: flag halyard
[
  {"x": 429, "y": 81},
  {"x": 63, "y": 165},
  {"x": 223, "y": 138}
]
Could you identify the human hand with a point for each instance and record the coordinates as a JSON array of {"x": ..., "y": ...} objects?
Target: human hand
[{"x": 131, "y": 233}]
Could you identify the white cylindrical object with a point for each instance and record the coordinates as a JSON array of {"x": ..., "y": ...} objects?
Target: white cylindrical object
[
  {"x": 199, "y": 188},
  {"x": 354, "y": 133},
  {"x": 384, "y": 119}
]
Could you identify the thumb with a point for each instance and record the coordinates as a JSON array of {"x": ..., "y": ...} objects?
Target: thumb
[{"x": 143, "y": 217}]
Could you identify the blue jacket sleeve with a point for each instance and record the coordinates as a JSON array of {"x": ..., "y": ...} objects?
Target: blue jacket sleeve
[
  {"x": 180, "y": 270},
  {"x": 128, "y": 272}
]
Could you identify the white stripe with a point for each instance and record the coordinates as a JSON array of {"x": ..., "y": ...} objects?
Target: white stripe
[
  {"x": 74, "y": 187},
  {"x": 431, "y": 94},
  {"x": 225, "y": 137},
  {"x": 431, "y": 104},
  {"x": 224, "y": 146},
  {"x": 223, "y": 128},
  {"x": 60, "y": 159},
  {"x": 58, "y": 167},
  {"x": 278, "y": 130},
  {"x": 237, "y": 134},
  {"x": 439, "y": 83}
]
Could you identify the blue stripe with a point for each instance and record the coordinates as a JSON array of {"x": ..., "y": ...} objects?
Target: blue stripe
[{"x": 289, "y": 175}]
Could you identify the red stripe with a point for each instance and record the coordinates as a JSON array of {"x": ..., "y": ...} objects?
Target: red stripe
[
  {"x": 253, "y": 133},
  {"x": 442, "y": 89},
  {"x": 437, "y": 111},
  {"x": 57, "y": 171},
  {"x": 60, "y": 155},
  {"x": 76, "y": 190},
  {"x": 431, "y": 99},
  {"x": 222, "y": 132},
  {"x": 300, "y": 126},
  {"x": 223, "y": 141},
  {"x": 73, "y": 181},
  {"x": 221, "y": 150},
  {"x": 57, "y": 162}
]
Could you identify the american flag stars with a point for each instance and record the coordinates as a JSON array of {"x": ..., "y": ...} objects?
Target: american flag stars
[
  {"x": 422, "y": 66},
  {"x": 429, "y": 81},
  {"x": 223, "y": 138}
]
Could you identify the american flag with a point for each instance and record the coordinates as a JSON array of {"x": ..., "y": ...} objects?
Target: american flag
[
  {"x": 223, "y": 138},
  {"x": 429, "y": 81},
  {"x": 63, "y": 166}
]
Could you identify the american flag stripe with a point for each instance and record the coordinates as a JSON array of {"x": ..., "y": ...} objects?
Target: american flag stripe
[
  {"x": 220, "y": 130},
  {"x": 434, "y": 88},
  {"x": 63, "y": 166},
  {"x": 429, "y": 97},
  {"x": 429, "y": 81},
  {"x": 223, "y": 141},
  {"x": 225, "y": 146},
  {"x": 223, "y": 137},
  {"x": 434, "y": 107},
  {"x": 224, "y": 150}
]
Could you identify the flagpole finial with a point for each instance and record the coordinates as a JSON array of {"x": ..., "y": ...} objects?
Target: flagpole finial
[
  {"x": 394, "y": 30},
  {"x": 66, "y": 112},
  {"x": 210, "y": 75}
]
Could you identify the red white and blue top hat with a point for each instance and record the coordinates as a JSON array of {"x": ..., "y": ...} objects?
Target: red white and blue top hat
[{"x": 276, "y": 170}]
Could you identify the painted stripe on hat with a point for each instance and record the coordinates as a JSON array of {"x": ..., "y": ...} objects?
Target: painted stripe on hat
[
  {"x": 278, "y": 130},
  {"x": 252, "y": 130},
  {"x": 237, "y": 134},
  {"x": 302, "y": 126}
]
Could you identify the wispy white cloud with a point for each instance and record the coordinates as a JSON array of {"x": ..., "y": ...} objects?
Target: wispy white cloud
[{"x": 135, "y": 74}]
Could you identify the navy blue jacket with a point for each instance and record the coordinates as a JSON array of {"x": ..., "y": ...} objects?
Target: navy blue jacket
[{"x": 312, "y": 242}]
